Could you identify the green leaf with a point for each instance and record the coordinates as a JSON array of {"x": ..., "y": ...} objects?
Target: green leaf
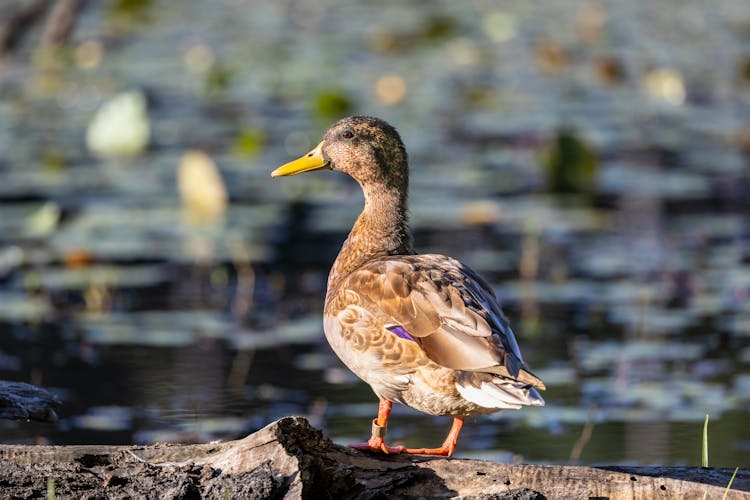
[
  {"x": 51, "y": 488},
  {"x": 704, "y": 454},
  {"x": 729, "y": 486},
  {"x": 332, "y": 104},
  {"x": 571, "y": 164},
  {"x": 249, "y": 142}
]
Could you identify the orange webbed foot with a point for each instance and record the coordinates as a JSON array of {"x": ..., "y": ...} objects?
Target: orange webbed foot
[
  {"x": 377, "y": 445},
  {"x": 376, "y": 442},
  {"x": 438, "y": 452},
  {"x": 449, "y": 445}
]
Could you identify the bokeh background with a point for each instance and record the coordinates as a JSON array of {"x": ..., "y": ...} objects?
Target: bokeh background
[{"x": 589, "y": 158}]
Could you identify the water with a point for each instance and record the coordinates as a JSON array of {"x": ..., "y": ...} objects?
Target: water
[{"x": 631, "y": 302}]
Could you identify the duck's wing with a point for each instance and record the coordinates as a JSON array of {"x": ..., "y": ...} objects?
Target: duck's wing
[{"x": 447, "y": 309}]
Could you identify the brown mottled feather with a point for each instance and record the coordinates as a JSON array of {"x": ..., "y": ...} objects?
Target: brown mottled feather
[
  {"x": 462, "y": 357},
  {"x": 440, "y": 311}
]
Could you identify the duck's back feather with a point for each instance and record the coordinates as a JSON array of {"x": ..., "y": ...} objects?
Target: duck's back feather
[{"x": 448, "y": 310}]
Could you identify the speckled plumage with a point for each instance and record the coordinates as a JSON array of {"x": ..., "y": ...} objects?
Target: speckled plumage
[
  {"x": 422, "y": 330},
  {"x": 439, "y": 302}
]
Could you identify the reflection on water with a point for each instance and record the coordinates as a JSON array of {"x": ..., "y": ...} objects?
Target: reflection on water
[
  {"x": 592, "y": 169},
  {"x": 121, "y": 393}
]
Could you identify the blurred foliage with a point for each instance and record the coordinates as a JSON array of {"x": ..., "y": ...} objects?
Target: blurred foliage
[
  {"x": 479, "y": 96},
  {"x": 44, "y": 220},
  {"x": 218, "y": 80},
  {"x": 744, "y": 70},
  {"x": 609, "y": 70},
  {"x": 439, "y": 27},
  {"x": 570, "y": 164},
  {"x": 551, "y": 57},
  {"x": 53, "y": 161},
  {"x": 202, "y": 191},
  {"x": 52, "y": 58},
  {"x": 120, "y": 127},
  {"x": 332, "y": 104},
  {"x": 666, "y": 85},
  {"x": 131, "y": 11},
  {"x": 51, "y": 63},
  {"x": 435, "y": 28},
  {"x": 249, "y": 142}
]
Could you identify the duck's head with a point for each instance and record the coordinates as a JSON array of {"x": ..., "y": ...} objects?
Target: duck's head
[{"x": 366, "y": 148}]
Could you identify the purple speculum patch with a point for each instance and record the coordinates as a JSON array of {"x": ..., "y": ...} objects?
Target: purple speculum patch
[{"x": 401, "y": 332}]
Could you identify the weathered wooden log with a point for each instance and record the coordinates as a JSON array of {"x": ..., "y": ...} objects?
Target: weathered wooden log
[
  {"x": 290, "y": 459},
  {"x": 21, "y": 401}
]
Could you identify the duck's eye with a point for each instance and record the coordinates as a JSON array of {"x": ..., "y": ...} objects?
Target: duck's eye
[{"x": 348, "y": 134}]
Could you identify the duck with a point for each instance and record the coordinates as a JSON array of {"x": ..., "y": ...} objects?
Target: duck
[{"x": 423, "y": 330}]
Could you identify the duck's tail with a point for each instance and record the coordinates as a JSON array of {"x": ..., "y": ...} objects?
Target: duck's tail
[{"x": 492, "y": 391}]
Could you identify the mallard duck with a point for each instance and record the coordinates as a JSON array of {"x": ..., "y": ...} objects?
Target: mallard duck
[{"x": 423, "y": 330}]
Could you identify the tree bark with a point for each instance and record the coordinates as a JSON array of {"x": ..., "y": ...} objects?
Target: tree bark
[{"x": 290, "y": 459}]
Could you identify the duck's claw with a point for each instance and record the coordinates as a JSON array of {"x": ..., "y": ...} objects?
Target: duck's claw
[
  {"x": 449, "y": 445},
  {"x": 444, "y": 451},
  {"x": 377, "y": 445},
  {"x": 376, "y": 442}
]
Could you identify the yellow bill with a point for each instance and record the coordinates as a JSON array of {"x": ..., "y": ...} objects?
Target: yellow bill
[{"x": 311, "y": 161}]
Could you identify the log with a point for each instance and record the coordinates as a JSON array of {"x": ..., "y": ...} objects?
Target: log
[
  {"x": 291, "y": 459},
  {"x": 22, "y": 401}
]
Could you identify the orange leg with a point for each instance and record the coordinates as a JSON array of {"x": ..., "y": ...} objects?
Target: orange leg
[
  {"x": 376, "y": 442},
  {"x": 449, "y": 445}
]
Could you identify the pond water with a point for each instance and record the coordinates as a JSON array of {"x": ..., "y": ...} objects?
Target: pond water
[{"x": 156, "y": 317}]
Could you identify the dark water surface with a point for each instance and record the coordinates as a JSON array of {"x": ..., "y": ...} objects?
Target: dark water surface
[{"x": 631, "y": 298}]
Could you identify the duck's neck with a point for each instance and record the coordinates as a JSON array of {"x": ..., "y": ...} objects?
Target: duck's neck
[{"x": 382, "y": 229}]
